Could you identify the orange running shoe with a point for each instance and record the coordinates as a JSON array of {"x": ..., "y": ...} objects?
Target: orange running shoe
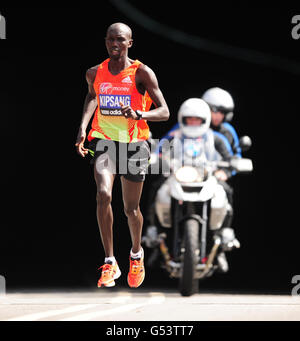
[
  {"x": 136, "y": 273},
  {"x": 108, "y": 275}
]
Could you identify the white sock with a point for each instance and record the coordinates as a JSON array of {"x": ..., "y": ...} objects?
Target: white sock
[
  {"x": 110, "y": 259},
  {"x": 136, "y": 255}
]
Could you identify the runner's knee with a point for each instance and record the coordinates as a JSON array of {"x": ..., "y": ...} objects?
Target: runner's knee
[
  {"x": 131, "y": 211},
  {"x": 103, "y": 197}
]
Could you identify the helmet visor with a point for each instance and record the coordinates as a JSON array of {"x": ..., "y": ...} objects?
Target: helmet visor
[
  {"x": 192, "y": 121},
  {"x": 220, "y": 109}
]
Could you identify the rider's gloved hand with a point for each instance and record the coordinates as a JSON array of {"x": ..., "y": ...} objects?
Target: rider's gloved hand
[{"x": 221, "y": 175}]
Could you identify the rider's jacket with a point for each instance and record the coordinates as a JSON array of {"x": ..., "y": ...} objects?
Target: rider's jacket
[
  {"x": 215, "y": 147},
  {"x": 226, "y": 132},
  {"x": 108, "y": 122}
]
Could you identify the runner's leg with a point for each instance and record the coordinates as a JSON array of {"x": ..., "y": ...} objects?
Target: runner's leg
[
  {"x": 104, "y": 181},
  {"x": 131, "y": 192}
]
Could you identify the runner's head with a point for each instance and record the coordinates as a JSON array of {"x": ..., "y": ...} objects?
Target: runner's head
[{"x": 118, "y": 40}]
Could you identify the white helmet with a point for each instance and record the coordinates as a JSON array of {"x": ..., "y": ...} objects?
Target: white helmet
[
  {"x": 194, "y": 107},
  {"x": 219, "y": 100}
]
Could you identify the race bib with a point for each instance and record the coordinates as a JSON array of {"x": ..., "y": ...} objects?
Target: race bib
[
  {"x": 110, "y": 104},
  {"x": 110, "y": 96}
]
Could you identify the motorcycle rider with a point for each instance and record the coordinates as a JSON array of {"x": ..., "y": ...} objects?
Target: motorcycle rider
[
  {"x": 222, "y": 105},
  {"x": 194, "y": 118}
]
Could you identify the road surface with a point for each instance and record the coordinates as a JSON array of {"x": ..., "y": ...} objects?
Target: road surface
[{"x": 125, "y": 304}]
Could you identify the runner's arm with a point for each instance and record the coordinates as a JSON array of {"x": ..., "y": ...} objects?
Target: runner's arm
[
  {"x": 149, "y": 82},
  {"x": 89, "y": 107}
]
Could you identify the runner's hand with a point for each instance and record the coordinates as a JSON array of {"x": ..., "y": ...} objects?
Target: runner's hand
[
  {"x": 80, "y": 144},
  {"x": 128, "y": 112}
]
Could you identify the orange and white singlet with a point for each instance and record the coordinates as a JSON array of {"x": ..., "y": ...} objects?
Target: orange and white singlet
[{"x": 108, "y": 122}]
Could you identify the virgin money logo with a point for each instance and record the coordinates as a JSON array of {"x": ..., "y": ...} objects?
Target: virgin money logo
[{"x": 106, "y": 88}]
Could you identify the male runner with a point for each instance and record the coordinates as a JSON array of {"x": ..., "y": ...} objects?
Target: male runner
[{"x": 121, "y": 90}]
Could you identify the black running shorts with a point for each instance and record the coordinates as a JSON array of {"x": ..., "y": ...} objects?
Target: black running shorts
[{"x": 130, "y": 160}]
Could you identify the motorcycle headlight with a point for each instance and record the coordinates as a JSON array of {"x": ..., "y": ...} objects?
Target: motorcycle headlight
[{"x": 187, "y": 174}]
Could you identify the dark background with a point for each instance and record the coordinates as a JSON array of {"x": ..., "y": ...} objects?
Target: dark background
[{"x": 49, "y": 234}]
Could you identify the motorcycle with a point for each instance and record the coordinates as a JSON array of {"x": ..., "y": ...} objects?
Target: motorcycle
[{"x": 190, "y": 208}]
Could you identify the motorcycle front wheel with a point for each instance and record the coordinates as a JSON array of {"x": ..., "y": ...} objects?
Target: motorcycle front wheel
[{"x": 188, "y": 284}]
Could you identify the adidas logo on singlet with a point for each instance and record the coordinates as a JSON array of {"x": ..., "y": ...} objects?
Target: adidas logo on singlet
[{"x": 127, "y": 80}]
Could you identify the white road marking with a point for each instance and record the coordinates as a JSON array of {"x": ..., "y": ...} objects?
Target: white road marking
[
  {"x": 48, "y": 313},
  {"x": 155, "y": 299},
  {"x": 120, "y": 299},
  {"x": 95, "y": 314},
  {"x": 136, "y": 305}
]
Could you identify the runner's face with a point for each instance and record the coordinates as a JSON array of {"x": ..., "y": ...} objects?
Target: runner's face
[{"x": 117, "y": 43}]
